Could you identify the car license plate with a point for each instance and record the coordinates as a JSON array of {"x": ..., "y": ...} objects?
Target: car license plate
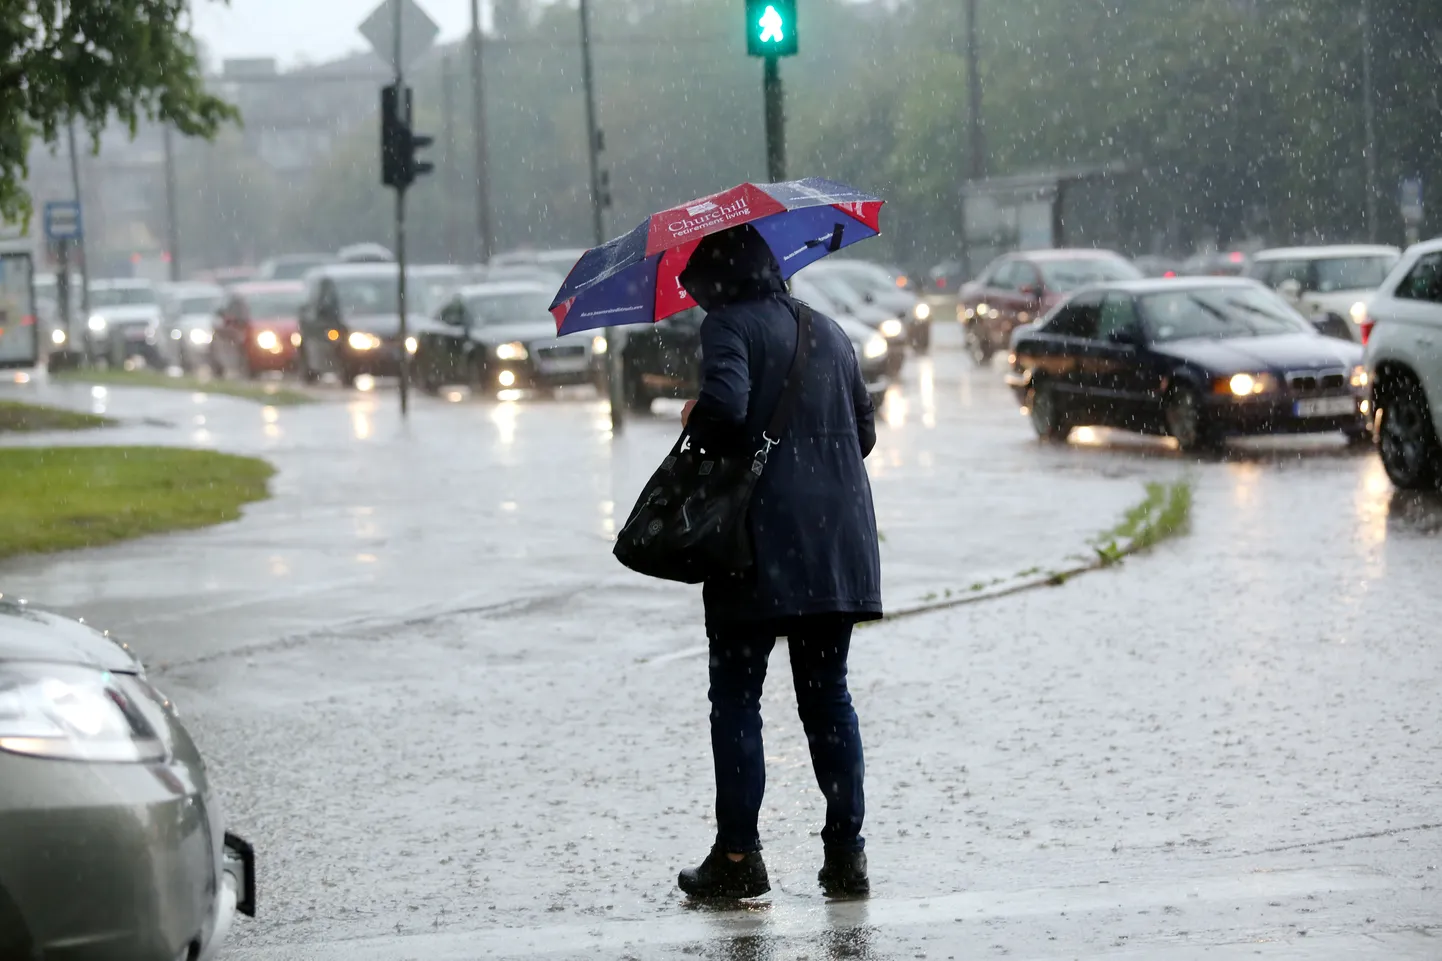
[
  {"x": 135, "y": 333},
  {"x": 1326, "y": 407}
]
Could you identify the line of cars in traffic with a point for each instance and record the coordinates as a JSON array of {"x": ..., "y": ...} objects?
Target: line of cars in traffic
[
  {"x": 484, "y": 327},
  {"x": 1295, "y": 340}
]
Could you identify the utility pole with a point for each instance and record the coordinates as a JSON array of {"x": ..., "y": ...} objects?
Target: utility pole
[
  {"x": 976, "y": 149},
  {"x": 485, "y": 244},
  {"x": 83, "y": 326},
  {"x": 1369, "y": 120},
  {"x": 615, "y": 388},
  {"x": 448, "y": 147},
  {"x": 404, "y": 101},
  {"x": 172, "y": 219},
  {"x": 775, "y": 120},
  {"x": 973, "y": 95}
]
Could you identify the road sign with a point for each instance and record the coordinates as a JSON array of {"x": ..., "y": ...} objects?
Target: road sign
[
  {"x": 62, "y": 220},
  {"x": 418, "y": 32}
]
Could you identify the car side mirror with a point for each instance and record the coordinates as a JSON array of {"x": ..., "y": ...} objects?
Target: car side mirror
[{"x": 1034, "y": 291}]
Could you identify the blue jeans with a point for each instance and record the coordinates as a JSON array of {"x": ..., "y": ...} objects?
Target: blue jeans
[{"x": 818, "y": 645}]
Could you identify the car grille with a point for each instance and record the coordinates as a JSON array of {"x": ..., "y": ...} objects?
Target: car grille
[
  {"x": 1316, "y": 381},
  {"x": 561, "y": 353}
]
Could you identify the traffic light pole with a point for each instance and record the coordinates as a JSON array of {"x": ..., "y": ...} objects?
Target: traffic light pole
[
  {"x": 615, "y": 388},
  {"x": 775, "y": 121},
  {"x": 403, "y": 103}
]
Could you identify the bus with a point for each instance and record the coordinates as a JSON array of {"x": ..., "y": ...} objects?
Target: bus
[{"x": 19, "y": 332}]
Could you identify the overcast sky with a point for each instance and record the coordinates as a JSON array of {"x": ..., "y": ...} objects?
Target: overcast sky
[{"x": 303, "y": 30}]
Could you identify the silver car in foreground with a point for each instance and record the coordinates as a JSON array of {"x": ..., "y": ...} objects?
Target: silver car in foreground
[{"x": 112, "y": 847}]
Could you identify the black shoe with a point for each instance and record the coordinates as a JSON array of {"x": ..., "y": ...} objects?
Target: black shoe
[
  {"x": 720, "y": 877},
  {"x": 843, "y": 875}
]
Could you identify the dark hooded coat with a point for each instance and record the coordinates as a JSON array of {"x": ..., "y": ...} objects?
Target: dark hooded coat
[{"x": 812, "y": 522}]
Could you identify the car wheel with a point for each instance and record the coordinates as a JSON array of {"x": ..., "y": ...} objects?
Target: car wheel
[
  {"x": 348, "y": 374},
  {"x": 1186, "y": 422},
  {"x": 921, "y": 338},
  {"x": 977, "y": 346},
  {"x": 1407, "y": 439},
  {"x": 1048, "y": 413}
]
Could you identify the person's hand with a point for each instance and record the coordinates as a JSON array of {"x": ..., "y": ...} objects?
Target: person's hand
[{"x": 686, "y": 412}]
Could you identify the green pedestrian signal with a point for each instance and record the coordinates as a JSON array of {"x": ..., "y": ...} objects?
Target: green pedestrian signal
[{"x": 771, "y": 28}]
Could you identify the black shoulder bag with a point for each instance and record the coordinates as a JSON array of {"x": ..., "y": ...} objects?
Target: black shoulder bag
[{"x": 690, "y": 521}]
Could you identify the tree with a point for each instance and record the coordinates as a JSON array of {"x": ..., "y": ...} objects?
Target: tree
[{"x": 91, "y": 60}]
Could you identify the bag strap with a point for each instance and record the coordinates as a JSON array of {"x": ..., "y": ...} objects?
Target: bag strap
[{"x": 789, "y": 393}]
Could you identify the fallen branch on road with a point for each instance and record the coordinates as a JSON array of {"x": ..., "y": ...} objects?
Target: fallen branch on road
[{"x": 1164, "y": 513}]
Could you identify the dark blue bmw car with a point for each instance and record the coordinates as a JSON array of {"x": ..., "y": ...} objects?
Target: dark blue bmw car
[{"x": 1196, "y": 359}]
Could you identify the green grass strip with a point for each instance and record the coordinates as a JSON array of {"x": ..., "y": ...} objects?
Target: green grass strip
[
  {"x": 16, "y": 417},
  {"x": 59, "y": 498},
  {"x": 265, "y": 392}
]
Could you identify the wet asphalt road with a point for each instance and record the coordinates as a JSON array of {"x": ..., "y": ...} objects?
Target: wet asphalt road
[{"x": 456, "y": 729}]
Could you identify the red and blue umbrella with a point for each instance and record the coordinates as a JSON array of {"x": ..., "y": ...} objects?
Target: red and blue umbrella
[{"x": 634, "y": 279}]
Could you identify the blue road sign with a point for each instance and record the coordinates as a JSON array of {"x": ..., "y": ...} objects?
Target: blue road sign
[{"x": 62, "y": 220}]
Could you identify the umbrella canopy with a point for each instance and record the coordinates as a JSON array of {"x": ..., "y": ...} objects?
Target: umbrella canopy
[{"x": 634, "y": 279}]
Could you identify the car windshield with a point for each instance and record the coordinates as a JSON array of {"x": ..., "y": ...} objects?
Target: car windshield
[
  {"x": 201, "y": 304},
  {"x": 867, "y": 277},
  {"x": 1218, "y": 313},
  {"x": 491, "y": 309},
  {"x": 121, "y": 296},
  {"x": 368, "y": 295},
  {"x": 279, "y": 304},
  {"x": 1064, "y": 276},
  {"x": 1353, "y": 273},
  {"x": 838, "y": 291}
]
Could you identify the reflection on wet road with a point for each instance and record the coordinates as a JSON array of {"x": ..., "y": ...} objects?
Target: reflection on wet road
[{"x": 456, "y": 729}]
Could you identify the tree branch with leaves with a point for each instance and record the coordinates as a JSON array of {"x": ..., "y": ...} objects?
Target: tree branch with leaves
[{"x": 94, "y": 60}]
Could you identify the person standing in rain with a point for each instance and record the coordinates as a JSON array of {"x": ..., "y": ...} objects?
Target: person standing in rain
[{"x": 817, "y": 567}]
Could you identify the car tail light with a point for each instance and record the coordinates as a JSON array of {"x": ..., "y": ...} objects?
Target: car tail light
[
  {"x": 1236, "y": 256},
  {"x": 941, "y": 282},
  {"x": 1169, "y": 274},
  {"x": 1364, "y": 329}
]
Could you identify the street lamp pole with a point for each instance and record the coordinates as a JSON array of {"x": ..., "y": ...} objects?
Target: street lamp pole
[
  {"x": 976, "y": 152},
  {"x": 485, "y": 241},
  {"x": 1369, "y": 120}
]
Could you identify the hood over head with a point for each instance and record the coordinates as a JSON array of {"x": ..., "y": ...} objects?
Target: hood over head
[{"x": 732, "y": 266}]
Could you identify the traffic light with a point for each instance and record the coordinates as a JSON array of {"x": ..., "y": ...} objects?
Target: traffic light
[
  {"x": 399, "y": 165},
  {"x": 771, "y": 28}
]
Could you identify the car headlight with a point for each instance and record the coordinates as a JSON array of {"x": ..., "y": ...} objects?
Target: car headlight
[
  {"x": 875, "y": 347},
  {"x": 267, "y": 340},
  {"x": 512, "y": 351},
  {"x": 598, "y": 344},
  {"x": 73, "y": 713},
  {"x": 892, "y": 328},
  {"x": 1360, "y": 377},
  {"x": 922, "y": 311},
  {"x": 1359, "y": 311},
  {"x": 96, "y": 323},
  {"x": 57, "y": 336},
  {"x": 1246, "y": 385},
  {"x": 200, "y": 337},
  {"x": 412, "y": 345},
  {"x": 175, "y": 334},
  {"x": 360, "y": 340},
  {"x": 295, "y": 339}
]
